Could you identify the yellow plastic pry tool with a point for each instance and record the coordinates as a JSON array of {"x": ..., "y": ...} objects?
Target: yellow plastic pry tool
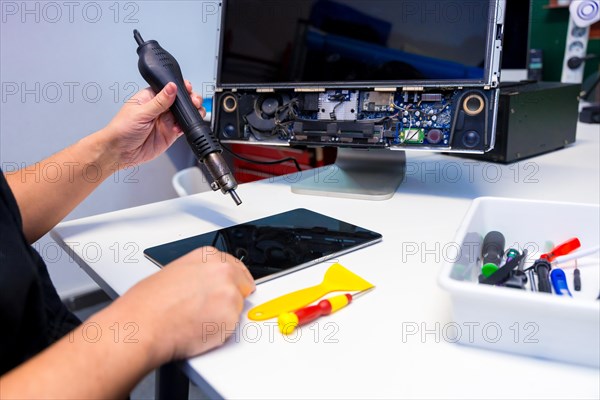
[{"x": 337, "y": 279}]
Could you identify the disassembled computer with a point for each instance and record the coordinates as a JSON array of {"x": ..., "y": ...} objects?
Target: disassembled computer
[{"x": 388, "y": 74}]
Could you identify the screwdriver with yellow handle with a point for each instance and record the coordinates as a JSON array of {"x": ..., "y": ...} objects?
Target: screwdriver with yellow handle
[{"x": 289, "y": 321}]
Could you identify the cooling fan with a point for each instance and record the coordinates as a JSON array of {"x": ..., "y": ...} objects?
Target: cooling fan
[{"x": 269, "y": 112}]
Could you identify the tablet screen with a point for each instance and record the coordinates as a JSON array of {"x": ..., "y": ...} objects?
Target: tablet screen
[{"x": 275, "y": 245}]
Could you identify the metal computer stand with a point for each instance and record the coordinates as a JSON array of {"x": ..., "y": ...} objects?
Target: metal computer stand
[{"x": 373, "y": 174}]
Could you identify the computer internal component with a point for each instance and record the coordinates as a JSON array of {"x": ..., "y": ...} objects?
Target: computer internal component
[
  {"x": 433, "y": 118},
  {"x": 411, "y": 135},
  {"x": 377, "y": 101},
  {"x": 338, "y": 105}
]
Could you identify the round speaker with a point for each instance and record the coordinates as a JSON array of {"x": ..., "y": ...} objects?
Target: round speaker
[
  {"x": 229, "y": 130},
  {"x": 471, "y": 139},
  {"x": 229, "y": 103},
  {"x": 473, "y": 104}
]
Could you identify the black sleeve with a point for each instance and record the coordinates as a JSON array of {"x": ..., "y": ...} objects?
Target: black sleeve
[{"x": 32, "y": 316}]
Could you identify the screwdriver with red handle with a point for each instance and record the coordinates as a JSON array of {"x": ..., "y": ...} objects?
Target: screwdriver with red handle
[
  {"x": 542, "y": 266},
  {"x": 288, "y": 322},
  {"x": 562, "y": 249}
]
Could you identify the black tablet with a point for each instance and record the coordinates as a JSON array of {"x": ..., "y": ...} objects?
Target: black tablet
[{"x": 275, "y": 245}]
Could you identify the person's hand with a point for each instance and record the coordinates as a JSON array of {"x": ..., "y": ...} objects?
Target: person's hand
[
  {"x": 144, "y": 127},
  {"x": 193, "y": 304}
]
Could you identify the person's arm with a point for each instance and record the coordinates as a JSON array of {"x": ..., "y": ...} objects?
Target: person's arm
[
  {"x": 187, "y": 308},
  {"x": 47, "y": 191}
]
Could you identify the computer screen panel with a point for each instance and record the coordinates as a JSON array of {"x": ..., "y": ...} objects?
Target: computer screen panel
[{"x": 282, "y": 43}]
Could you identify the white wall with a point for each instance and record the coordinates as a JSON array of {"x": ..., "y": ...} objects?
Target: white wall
[{"x": 65, "y": 69}]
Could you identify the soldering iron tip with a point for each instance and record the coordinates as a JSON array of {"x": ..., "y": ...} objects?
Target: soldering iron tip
[{"x": 235, "y": 197}]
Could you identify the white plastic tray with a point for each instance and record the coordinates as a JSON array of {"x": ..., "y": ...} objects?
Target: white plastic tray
[{"x": 520, "y": 321}]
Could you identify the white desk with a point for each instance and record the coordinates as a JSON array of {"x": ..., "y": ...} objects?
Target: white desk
[{"x": 358, "y": 352}]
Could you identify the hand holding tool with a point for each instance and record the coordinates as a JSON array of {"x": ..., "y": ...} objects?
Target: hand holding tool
[
  {"x": 158, "y": 68},
  {"x": 288, "y": 322}
]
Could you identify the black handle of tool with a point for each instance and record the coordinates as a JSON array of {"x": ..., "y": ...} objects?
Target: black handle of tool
[
  {"x": 542, "y": 269},
  {"x": 577, "y": 280},
  {"x": 492, "y": 248},
  {"x": 158, "y": 68}
]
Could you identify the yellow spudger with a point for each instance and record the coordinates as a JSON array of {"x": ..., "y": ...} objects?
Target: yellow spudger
[{"x": 337, "y": 279}]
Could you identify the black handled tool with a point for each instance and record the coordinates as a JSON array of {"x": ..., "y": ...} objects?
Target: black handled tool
[
  {"x": 158, "y": 68},
  {"x": 492, "y": 251},
  {"x": 542, "y": 269},
  {"x": 493, "y": 248}
]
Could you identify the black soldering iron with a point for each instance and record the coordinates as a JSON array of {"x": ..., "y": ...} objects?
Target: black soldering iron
[{"x": 158, "y": 68}]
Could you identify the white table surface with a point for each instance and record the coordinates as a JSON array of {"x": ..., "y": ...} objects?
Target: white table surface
[{"x": 360, "y": 351}]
